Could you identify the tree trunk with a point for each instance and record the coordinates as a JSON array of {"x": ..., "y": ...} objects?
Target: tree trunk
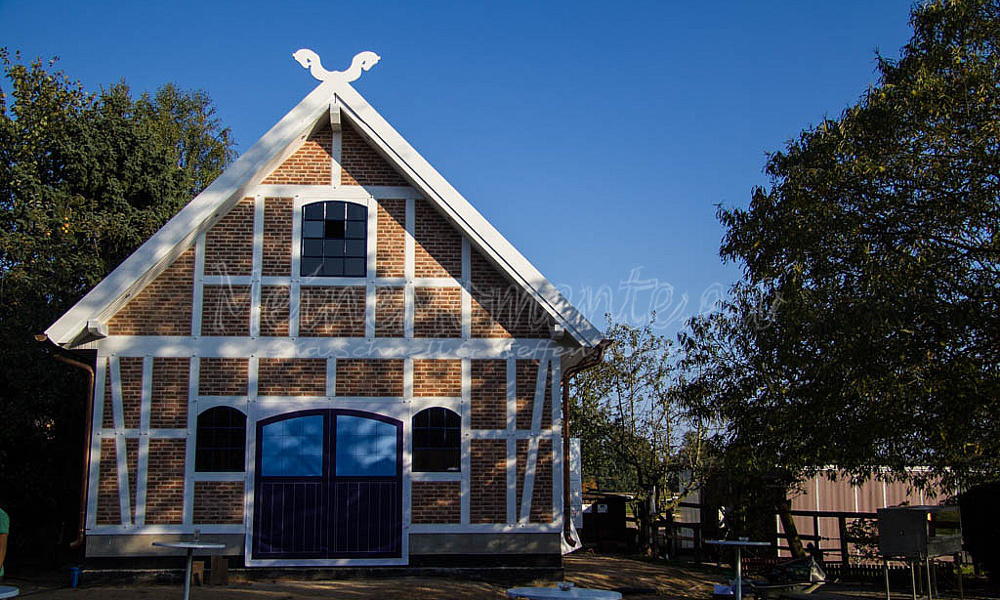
[{"x": 784, "y": 507}]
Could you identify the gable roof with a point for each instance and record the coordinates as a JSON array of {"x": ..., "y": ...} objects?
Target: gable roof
[{"x": 81, "y": 323}]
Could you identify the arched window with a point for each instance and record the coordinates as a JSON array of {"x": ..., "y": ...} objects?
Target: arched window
[
  {"x": 437, "y": 440},
  {"x": 334, "y": 240},
  {"x": 221, "y": 440}
]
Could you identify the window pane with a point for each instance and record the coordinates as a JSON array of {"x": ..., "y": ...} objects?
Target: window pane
[
  {"x": 312, "y": 248},
  {"x": 311, "y": 267},
  {"x": 313, "y": 211},
  {"x": 356, "y": 248},
  {"x": 336, "y": 211},
  {"x": 334, "y": 230},
  {"x": 312, "y": 229},
  {"x": 293, "y": 447},
  {"x": 333, "y": 248},
  {"x": 356, "y": 212},
  {"x": 354, "y": 267},
  {"x": 365, "y": 447},
  {"x": 333, "y": 267},
  {"x": 355, "y": 230}
]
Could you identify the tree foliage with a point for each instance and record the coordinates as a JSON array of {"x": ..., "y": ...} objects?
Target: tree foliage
[
  {"x": 865, "y": 332},
  {"x": 85, "y": 178},
  {"x": 639, "y": 434}
]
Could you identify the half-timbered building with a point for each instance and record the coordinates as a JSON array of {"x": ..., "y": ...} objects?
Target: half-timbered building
[{"x": 326, "y": 358}]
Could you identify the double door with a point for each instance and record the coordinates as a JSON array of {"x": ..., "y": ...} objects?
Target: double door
[{"x": 328, "y": 485}]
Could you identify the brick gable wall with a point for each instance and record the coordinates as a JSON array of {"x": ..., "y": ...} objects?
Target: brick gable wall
[
  {"x": 277, "y": 245},
  {"x": 437, "y": 245},
  {"x": 361, "y": 164},
  {"x": 163, "y": 307},
  {"x": 332, "y": 312},
  {"x": 311, "y": 164},
  {"x": 229, "y": 243},
  {"x": 391, "y": 235}
]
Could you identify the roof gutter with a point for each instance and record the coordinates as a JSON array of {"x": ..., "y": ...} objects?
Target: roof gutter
[
  {"x": 591, "y": 358},
  {"x": 88, "y": 427}
]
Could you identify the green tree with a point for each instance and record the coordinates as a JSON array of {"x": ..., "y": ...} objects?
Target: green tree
[
  {"x": 639, "y": 433},
  {"x": 865, "y": 332},
  {"x": 85, "y": 178}
]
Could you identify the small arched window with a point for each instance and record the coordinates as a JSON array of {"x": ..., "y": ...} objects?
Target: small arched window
[
  {"x": 437, "y": 440},
  {"x": 334, "y": 240},
  {"x": 221, "y": 440}
]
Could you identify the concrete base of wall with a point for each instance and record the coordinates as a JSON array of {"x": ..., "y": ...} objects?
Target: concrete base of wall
[
  {"x": 108, "y": 546},
  {"x": 476, "y": 551}
]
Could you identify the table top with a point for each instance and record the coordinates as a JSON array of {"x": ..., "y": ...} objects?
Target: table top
[
  {"x": 8, "y": 591},
  {"x": 737, "y": 543},
  {"x": 191, "y": 545},
  {"x": 554, "y": 593}
]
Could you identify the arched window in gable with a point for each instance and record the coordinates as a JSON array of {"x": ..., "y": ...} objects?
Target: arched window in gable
[{"x": 334, "y": 239}]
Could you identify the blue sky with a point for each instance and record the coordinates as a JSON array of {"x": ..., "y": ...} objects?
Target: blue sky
[{"x": 598, "y": 137}]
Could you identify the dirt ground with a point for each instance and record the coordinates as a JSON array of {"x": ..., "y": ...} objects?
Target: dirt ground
[{"x": 636, "y": 579}]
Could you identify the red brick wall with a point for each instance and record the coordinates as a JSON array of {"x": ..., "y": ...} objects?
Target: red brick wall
[
  {"x": 165, "y": 482},
  {"x": 437, "y": 378},
  {"x": 108, "y": 511},
  {"x": 391, "y": 228},
  {"x": 277, "y": 246},
  {"x": 218, "y": 502},
  {"x": 107, "y": 418},
  {"x": 229, "y": 243},
  {"x": 489, "y": 394},
  {"x": 438, "y": 245},
  {"x": 222, "y": 377},
  {"x": 389, "y": 312},
  {"x": 436, "y": 502},
  {"x": 170, "y": 392},
  {"x": 488, "y": 482},
  {"x": 500, "y": 309},
  {"x": 291, "y": 377},
  {"x": 130, "y": 369},
  {"x": 310, "y": 165},
  {"x": 225, "y": 310},
  {"x": 163, "y": 307},
  {"x": 437, "y": 312},
  {"x": 369, "y": 377},
  {"x": 541, "y": 496},
  {"x": 361, "y": 164},
  {"x": 274, "y": 310},
  {"x": 332, "y": 311}
]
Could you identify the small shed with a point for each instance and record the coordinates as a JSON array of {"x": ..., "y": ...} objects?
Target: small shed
[{"x": 605, "y": 521}]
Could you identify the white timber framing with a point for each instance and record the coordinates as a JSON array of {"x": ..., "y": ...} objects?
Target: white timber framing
[
  {"x": 531, "y": 461},
  {"x": 142, "y": 464},
  {"x": 409, "y": 250},
  {"x": 466, "y": 489},
  {"x": 257, "y": 262},
  {"x": 198, "y": 294},
  {"x": 117, "y": 412},
  {"x": 94, "y": 469},
  {"x": 511, "y": 440}
]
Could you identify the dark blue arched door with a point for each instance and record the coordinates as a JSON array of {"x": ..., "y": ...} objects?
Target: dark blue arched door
[{"x": 329, "y": 484}]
